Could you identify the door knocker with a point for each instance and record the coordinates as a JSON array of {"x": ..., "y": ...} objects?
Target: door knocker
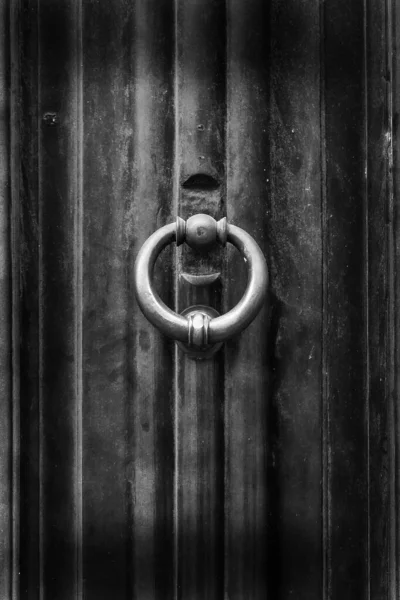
[{"x": 200, "y": 328}]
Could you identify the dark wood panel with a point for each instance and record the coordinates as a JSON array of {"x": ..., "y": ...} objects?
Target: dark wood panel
[
  {"x": 345, "y": 303},
  {"x": 393, "y": 329},
  {"x": 295, "y": 249},
  {"x": 150, "y": 469},
  {"x": 200, "y": 483},
  {"x": 59, "y": 322},
  {"x": 379, "y": 212},
  {"x": 107, "y": 181},
  {"x": 201, "y": 88},
  {"x": 26, "y": 85},
  {"x": 6, "y": 405},
  {"x": 247, "y": 369},
  {"x": 275, "y": 106},
  {"x": 291, "y": 109},
  {"x": 44, "y": 188},
  {"x": 200, "y": 144},
  {"x": 128, "y": 442},
  {"x": 12, "y": 22}
]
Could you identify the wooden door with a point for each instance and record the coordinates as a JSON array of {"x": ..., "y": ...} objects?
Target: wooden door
[{"x": 130, "y": 471}]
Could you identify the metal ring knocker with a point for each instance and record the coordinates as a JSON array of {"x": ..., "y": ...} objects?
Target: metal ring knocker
[{"x": 199, "y": 327}]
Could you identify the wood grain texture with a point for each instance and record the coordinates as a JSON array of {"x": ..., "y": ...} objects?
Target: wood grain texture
[
  {"x": 28, "y": 347},
  {"x": 128, "y": 444},
  {"x": 247, "y": 370},
  {"x": 273, "y": 378},
  {"x": 106, "y": 181},
  {"x": 270, "y": 471},
  {"x": 393, "y": 325},
  {"x": 200, "y": 483},
  {"x": 47, "y": 317},
  {"x": 379, "y": 245},
  {"x": 200, "y": 143},
  {"x": 59, "y": 371},
  {"x": 12, "y": 21},
  {"x": 295, "y": 250},
  {"x": 150, "y": 470},
  {"x": 345, "y": 301},
  {"x": 6, "y": 405}
]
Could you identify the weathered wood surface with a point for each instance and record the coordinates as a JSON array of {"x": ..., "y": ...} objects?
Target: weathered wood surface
[
  {"x": 246, "y": 367},
  {"x": 128, "y": 371},
  {"x": 151, "y": 398},
  {"x": 106, "y": 95},
  {"x": 59, "y": 289},
  {"x": 271, "y": 470},
  {"x": 345, "y": 365},
  {"x": 382, "y": 412},
  {"x": 392, "y": 522},
  {"x": 6, "y": 388},
  {"x": 294, "y": 237},
  {"x": 25, "y": 89},
  {"x": 200, "y": 152}
]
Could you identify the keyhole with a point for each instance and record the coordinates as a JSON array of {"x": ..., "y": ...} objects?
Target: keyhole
[{"x": 200, "y": 181}]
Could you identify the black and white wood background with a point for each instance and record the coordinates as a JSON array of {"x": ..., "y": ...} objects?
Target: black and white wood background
[{"x": 127, "y": 470}]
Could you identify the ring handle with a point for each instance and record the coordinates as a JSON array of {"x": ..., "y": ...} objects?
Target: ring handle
[{"x": 200, "y": 329}]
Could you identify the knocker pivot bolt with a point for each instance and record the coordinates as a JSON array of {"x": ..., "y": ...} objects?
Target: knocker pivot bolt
[{"x": 201, "y": 232}]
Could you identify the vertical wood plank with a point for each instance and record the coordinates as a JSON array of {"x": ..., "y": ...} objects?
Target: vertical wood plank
[
  {"x": 150, "y": 470},
  {"x": 393, "y": 58},
  {"x": 58, "y": 36},
  {"x": 296, "y": 261},
  {"x": 128, "y": 441},
  {"x": 200, "y": 39},
  {"x": 200, "y": 471},
  {"x": 106, "y": 184},
  {"x": 345, "y": 356},
  {"x": 379, "y": 48},
  {"x": 200, "y": 143},
  {"x": 13, "y": 21},
  {"x": 44, "y": 187},
  {"x": 246, "y": 377},
  {"x": 273, "y": 372},
  {"x": 6, "y": 313},
  {"x": 26, "y": 87}
]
